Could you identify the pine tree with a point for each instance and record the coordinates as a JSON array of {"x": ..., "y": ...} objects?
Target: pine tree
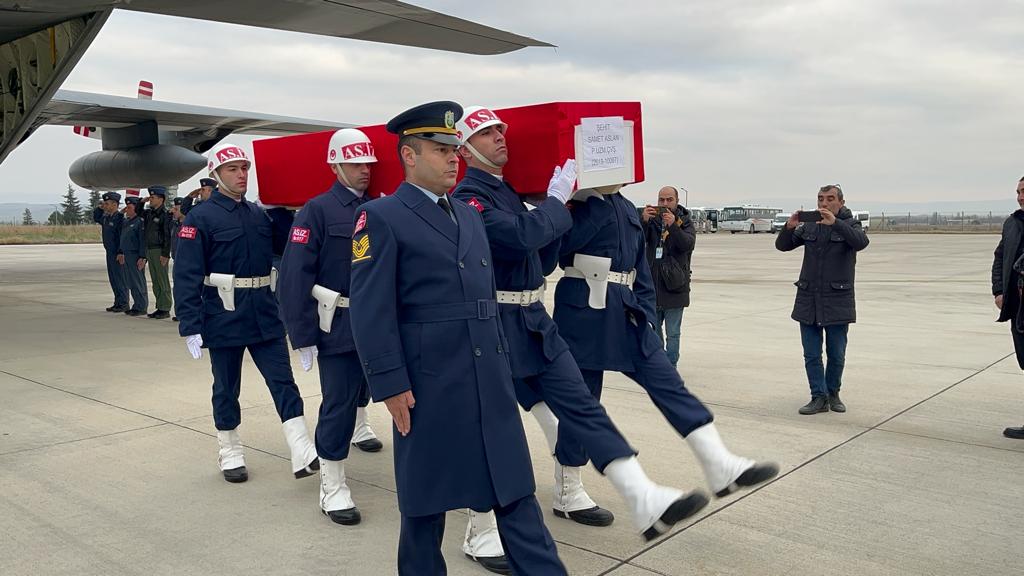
[
  {"x": 72, "y": 210},
  {"x": 26, "y": 218},
  {"x": 94, "y": 200},
  {"x": 55, "y": 219}
]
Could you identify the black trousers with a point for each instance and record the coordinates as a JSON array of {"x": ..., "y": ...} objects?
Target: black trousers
[{"x": 1018, "y": 343}]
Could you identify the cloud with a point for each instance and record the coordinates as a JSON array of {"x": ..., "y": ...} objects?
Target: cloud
[{"x": 907, "y": 100}]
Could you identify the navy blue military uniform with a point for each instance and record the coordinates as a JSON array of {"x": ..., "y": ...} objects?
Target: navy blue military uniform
[
  {"x": 111, "y": 224},
  {"x": 133, "y": 247},
  {"x": 525, "y": 246},
  {"x": 424, "y": 318},
  {"x": 619, "y": 337},
  {"x": 175, "y": 228},
  {"x": 319, "y": 252},
  {"x": 228, "y": 237}
]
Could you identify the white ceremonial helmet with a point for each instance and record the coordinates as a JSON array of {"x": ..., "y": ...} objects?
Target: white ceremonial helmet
[
  {"x": 222, "y": 154},
  {"x": 475, "y": 119},
  {"x": 350, "y": 146}
]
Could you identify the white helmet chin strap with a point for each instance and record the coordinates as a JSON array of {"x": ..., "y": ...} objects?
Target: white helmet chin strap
[
  {"x": 481, "y": 157},
  {"x": 341, "y": 174}
]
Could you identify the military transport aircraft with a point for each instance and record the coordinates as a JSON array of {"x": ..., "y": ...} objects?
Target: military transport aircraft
[{"x": 149, "y": 142}]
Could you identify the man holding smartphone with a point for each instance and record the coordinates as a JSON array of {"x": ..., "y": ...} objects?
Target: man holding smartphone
[
  {"x": 671, "y": 237},
  {"x": 825, "y": 304}
]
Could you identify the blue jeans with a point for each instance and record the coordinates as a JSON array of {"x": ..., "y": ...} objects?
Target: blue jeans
[
  {"x": 824, "y": 381},
  {"x": 670, "y": 322}
]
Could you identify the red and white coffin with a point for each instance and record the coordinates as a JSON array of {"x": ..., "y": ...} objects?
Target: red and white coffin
[{"x": 605, "y": 138}]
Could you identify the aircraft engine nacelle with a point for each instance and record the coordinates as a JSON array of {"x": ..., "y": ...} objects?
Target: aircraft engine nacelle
[{"x": 157, "y": 164}]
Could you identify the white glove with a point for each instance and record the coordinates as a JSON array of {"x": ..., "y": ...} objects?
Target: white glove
[
  {"x": 195, "y": 345},
  {"x": 563, "y": 181},
  {"x": 306, "y": 356}
]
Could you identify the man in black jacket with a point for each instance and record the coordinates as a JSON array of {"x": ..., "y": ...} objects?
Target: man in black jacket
[
  {"x": 825, "y": 304},
  {"x": 1006, "y": 284},
  {"x": 671, "y": 237}
]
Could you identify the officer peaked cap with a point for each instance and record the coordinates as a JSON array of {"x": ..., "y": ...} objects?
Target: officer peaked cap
[{"x": 431, "y": 121}]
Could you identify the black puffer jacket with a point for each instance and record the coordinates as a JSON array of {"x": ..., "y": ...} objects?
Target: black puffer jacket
[
  {"x": 825, "y": 293},
  {"x": 1004, "y": 278},
  {"x": 672, "y": 272}
]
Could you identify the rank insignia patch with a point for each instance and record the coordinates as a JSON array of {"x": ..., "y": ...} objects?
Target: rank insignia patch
[{"x": 361, "y": 249}]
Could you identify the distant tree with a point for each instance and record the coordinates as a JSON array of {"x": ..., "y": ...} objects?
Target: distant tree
[
  {"x": 55, "y": 219},
  {"x": 26, "y": 218},
  {"x": 94, "y": 200},
  {"x": 72, "y": 209}
]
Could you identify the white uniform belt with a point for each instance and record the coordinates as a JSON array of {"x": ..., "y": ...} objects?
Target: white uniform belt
[
  {"x": 624, "y": 278},
  {"x": 522, "y": 297},
  {"x": 343, "y": 302},
  {"x": 257, "y": 282}
]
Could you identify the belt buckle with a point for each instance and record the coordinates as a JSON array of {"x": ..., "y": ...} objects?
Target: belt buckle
[{"x": 524, "y": 298}]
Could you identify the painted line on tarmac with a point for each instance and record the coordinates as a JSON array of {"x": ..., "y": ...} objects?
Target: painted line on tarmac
[{"x": 753, "y": 491}]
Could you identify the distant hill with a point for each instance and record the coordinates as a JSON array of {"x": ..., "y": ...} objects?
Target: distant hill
[{"x": 12, "y": 211}]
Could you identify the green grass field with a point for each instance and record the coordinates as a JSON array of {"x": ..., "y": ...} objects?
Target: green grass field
[{"x": 81, "y": 234}]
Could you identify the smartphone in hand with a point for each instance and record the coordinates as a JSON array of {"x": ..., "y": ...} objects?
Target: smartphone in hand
[{"x": 809, "y": 216}]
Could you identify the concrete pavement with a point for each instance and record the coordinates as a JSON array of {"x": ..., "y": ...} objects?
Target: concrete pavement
[{"x": 108, "y": 456}]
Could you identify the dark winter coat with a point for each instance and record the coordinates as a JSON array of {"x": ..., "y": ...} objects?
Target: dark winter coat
[
  {"x": 671, "y": 272},
  {"x": 1004, "y": 278},
  {"x": 825, "y": 294}
]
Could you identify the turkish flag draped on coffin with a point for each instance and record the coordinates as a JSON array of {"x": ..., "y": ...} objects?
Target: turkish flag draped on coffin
[{"x": 291, "y": 169}]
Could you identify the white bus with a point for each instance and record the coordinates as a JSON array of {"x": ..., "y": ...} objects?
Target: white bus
[
  {"x": 746, "y": 218},
  {"x": 864, "y": 217}
]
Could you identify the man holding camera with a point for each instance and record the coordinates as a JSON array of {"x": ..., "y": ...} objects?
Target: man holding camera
[
  {"x": 825, "y": 304},
  {"x": 671, "y": 237}
]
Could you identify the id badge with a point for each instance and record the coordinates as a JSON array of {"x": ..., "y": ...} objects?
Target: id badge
[{"x": 658, "y": 252}]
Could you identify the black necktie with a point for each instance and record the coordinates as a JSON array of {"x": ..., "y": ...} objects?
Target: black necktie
[{"x": 443, "y": 203}]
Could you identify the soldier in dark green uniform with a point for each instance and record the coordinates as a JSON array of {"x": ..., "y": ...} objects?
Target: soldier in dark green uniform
[{"x": 158, "y": 250}]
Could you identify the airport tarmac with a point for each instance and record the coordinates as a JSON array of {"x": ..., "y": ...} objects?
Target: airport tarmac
[{"x": 108, "y": 459}]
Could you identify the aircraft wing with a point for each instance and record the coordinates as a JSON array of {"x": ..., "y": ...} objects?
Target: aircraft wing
[
  {"x": 71, "y": 108},
  {"x": 387, "y": 21}
]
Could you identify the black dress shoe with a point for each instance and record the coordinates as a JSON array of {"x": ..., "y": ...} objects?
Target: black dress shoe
[
  {"x": 752, "y": 476},
  {"x": 120, "y": 308},
  {"x": 1015, "y": 433},
  {"x": 679, "y": 510},
  {"x": 835, "y": 404},
  {"x": 371, "y": 445},
  {"x": 134, "y": 313},
  {"x": 236, "y": 475},
  {"x": 160, "y": 315},
  {"x": 349, "y": 517},
  {"x": 496, "y": 564},
  {"x": 174, "y": 318},
  {"x": 152, "y": 314},
  {"x": 816, "y": 405},
  {"x": 310, "y": 469},
  {"x": 595, "y": 516},
  {"x": 112, "y": 308}
]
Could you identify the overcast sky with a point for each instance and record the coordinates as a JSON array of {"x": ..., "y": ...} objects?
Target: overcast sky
[{"x": 742, "y": 100}]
